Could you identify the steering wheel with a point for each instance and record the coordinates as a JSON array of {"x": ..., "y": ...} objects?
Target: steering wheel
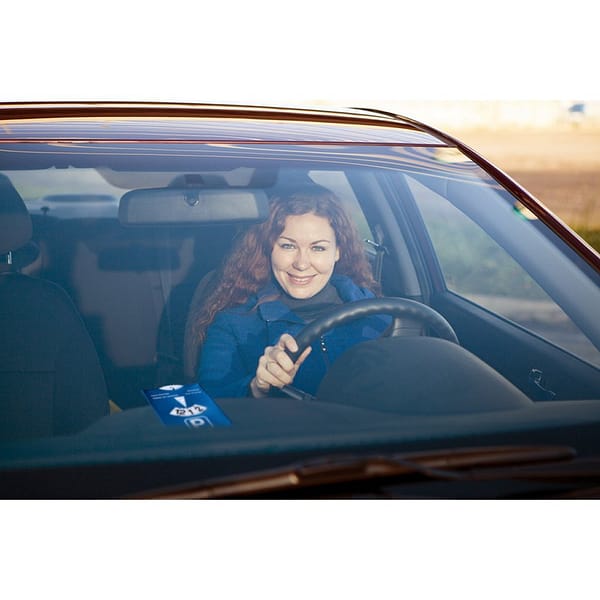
[{"x": 398, "y": 308}]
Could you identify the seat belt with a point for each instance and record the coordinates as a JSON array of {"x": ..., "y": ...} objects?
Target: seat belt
[{"x": 380, "y": 252}]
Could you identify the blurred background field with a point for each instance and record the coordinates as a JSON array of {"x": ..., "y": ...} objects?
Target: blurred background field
[
  {"x": 560, "y": 166},
  {"x": 552, "y": 148}
]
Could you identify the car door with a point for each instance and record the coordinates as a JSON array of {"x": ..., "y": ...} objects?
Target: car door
[{"x": 505, "y": 283}]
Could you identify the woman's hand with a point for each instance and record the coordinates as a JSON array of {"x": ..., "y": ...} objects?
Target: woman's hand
[{"x": 275, "y": 367}]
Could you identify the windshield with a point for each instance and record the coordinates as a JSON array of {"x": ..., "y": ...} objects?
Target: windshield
[{"x": 137, "y": 236}]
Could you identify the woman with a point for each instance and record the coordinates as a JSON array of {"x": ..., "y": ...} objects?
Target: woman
[{"x": 304, "y": 260}]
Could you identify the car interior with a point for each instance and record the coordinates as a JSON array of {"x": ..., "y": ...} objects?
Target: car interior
[{"x": 134, "y": 269}]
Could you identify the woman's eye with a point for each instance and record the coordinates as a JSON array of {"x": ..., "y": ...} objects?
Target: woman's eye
[
  {"x": 319, "y": 248},
  {"x": 286, "y": 246}
]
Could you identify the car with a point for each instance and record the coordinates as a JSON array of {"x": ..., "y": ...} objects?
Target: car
[{"x": 115, "y": 219}]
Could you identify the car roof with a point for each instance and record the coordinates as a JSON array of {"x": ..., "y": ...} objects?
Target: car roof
[{"x": 209, "y": 122}]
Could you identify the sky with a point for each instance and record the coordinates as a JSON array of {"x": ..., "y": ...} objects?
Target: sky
[{"x": 268, "y": 52}]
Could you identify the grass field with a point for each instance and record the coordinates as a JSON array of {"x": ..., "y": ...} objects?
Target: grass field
[{"x": 561, "y": 168}]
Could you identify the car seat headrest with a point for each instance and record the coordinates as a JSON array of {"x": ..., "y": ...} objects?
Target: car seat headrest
[{"x": 15, "y": 222}]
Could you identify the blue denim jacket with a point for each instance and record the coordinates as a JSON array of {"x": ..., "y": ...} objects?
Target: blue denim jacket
[{"x": 238, "y": 337}]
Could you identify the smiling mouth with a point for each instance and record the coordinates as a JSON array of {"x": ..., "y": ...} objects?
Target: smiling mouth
[{"x": 300, "y": 280}]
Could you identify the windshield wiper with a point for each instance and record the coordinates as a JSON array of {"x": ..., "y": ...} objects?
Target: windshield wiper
[{"x": 479, "y": 463}]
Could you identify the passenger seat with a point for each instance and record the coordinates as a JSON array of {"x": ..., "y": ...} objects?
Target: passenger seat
[{"x": 51, "y": 382}]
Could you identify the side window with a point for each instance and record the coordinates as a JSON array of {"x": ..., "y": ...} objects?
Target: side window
[
  {"x": 53, "y": 184},
  {"x": 476, "y": 267}
]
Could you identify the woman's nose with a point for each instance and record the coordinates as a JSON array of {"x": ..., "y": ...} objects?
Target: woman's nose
[{"x": 301, "y": 261}]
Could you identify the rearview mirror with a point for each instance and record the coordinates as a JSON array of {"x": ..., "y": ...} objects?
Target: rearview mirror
[{"x": 191, "y": 205}]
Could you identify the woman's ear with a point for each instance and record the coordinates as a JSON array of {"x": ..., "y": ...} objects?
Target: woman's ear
[{"x": 337, "y": 254}]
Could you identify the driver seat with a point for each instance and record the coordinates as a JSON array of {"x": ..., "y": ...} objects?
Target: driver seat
[
  {"x": 191, "y": 350},
  {"x": 51, "y": 382}
]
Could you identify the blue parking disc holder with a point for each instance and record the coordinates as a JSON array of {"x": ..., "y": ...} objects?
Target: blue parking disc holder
[{"x": 186, "y": 406}]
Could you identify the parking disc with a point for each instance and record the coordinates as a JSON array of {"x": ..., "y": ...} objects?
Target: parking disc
[{"x": 186, "y": 405}]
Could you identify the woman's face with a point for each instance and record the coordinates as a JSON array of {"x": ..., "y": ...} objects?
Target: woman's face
[{"x": 304, "y": 255}]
